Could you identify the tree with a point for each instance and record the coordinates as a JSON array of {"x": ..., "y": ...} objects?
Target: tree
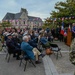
[
  {"x": 65, "y": 9},
  {"x": 6, "y": 24}
]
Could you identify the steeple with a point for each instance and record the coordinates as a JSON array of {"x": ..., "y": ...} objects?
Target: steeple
[{"x": 24, "y": 10}]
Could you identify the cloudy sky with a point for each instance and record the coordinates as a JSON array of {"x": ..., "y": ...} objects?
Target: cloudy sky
[{"x": 39, "y": 8}]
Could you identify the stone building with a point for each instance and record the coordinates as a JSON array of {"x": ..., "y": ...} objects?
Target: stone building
[{"x": 22, "y": 19}]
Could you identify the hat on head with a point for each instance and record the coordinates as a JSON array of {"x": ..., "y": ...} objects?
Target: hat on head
[
  {"x": 8, "y": 34},
  {"x": 25, "y": 34},
  {"x": 13, "y": 34}
]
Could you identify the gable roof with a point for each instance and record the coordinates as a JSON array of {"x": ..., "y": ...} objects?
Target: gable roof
[
  {"x": 17, "y": 15},
  {"x": 9, "y": 16},
  {"x": 12, "y": 16},
  {"x": 31, "y": 18}
]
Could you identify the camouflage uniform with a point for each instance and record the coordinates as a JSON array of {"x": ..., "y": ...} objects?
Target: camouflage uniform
[{"x": 72, "y": 52}]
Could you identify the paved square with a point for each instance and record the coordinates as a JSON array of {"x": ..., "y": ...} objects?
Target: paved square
[{"x": 13, "y": 68}]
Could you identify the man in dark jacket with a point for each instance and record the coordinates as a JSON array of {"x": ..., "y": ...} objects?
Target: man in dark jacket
[
  {"x": 12, "y": 48},
  {"x": 73, "y": 30},
  {"x": 32, "y": 42}
]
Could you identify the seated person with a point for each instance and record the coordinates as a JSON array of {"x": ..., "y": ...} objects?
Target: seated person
[
  {"x": 32, "y": 42},
  {"x": 15, "y": 40},
  {"x": 12, "y": 48},
  {"x": 44, "y": 41},
  {"x": 30, "y": 51}
]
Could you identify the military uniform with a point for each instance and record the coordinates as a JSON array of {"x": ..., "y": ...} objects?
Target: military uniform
[{"x": 72, "y": 52}]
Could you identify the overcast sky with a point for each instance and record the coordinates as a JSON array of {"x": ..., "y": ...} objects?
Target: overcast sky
[{"x": 38, "y": 8}]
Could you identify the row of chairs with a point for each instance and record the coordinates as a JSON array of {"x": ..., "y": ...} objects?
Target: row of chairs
[
  {"x": 54, "y": 47},
  {"x": 24, "y": 57},
  {"x": 27, "y": 59}
]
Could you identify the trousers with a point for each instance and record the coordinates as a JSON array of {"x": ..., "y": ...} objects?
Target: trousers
[{"x": 36, "y": 53}]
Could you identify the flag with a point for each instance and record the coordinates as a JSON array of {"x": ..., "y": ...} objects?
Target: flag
[
  {"x": 62, "y": 29},
  {"x": 65, "y": 33},
  {"x": 37, "y": 18},
  {"x": 13, "y": 20},
  {"x": 16, "y": 20},
  {"x": 55, "y": 19},
  {"x": 69, "y": 28},
  {"x": 62, "y": 18},
  {"x": 10, "y": 20},
  {"x": 66, "y": 18}
]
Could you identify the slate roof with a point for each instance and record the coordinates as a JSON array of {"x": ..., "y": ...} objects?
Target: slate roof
[
  {"x": 11, "y": 16},
  {"x": 17, "y": 15},
  {"x": 31, "y": 18}
]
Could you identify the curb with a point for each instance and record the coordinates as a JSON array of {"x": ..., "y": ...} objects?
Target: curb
[
  {"x": 67, "y": 74},
  {"x": 49, "y": 66}
]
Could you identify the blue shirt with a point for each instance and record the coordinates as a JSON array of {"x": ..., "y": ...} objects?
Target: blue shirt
[
  {"x": 28, "y": 49},
  {"x": 73, "y": 29}
]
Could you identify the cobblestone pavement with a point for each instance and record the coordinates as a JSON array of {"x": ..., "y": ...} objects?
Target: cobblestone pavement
[
  {"x": 13, "y": 68},
  {"x": 63, "y": 65}
]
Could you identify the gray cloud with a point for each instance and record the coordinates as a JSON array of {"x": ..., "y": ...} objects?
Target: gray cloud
[{"x": 39, "y": 8}]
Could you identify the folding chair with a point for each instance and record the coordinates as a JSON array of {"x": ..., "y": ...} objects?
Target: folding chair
[
  {"x": 56, "y": 49},
  {"x": 8, "y": 54},
  {"x": 43, "y": 46},
  {"x": 26, "y": 58}
]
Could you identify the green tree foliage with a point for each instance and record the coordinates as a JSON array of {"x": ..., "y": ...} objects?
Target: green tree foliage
[
  {"x": 48, "y": 23},
  {"x": 63, "y": 9},
  {"x": 6, "y": 24}
]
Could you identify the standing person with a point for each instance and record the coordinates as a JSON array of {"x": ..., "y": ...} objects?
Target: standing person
[
  {"x": 72, "y": 52},
  {"x": 65, "y": 36},
  {"x": 73, "y": 30},
  {"x": 58, "y": 32},
  {"x": 32, "y": 35},
  {"x": 62, "y": 34},
  {"x": 53, "y": 32}
]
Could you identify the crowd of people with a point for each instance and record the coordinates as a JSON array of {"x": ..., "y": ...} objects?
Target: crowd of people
[
  {"x": 28, "y": 40},
  {"x": 25, "y": 39}
]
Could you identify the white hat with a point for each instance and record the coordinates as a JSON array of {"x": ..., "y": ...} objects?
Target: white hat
[
  {"x": 9, "y": 34},
  {"x": 6, "y": 33},
  {"x": 25, "y": 34}
]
